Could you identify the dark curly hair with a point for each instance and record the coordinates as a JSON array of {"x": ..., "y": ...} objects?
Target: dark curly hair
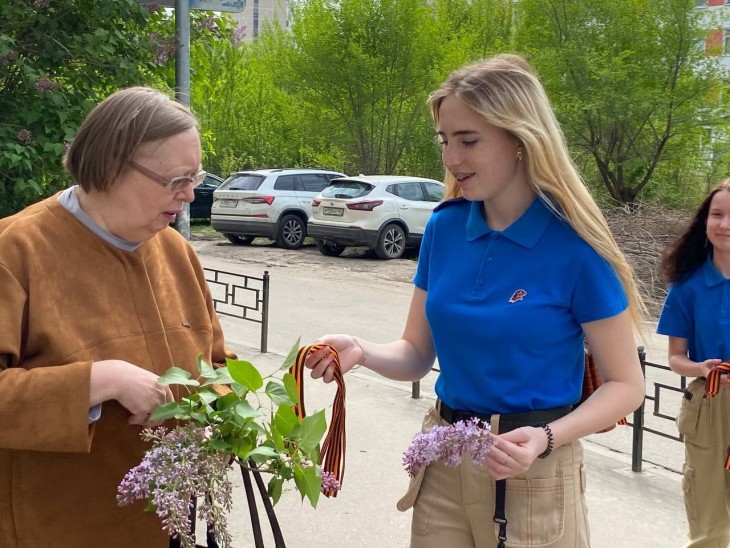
[{"x": 688, "y": 252}]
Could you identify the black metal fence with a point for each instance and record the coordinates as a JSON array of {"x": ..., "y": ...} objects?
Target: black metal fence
[
  {"x": 653, "y": 405},
  {"x": 243, "y": 297},
  {"x": 653, "y": 401}
]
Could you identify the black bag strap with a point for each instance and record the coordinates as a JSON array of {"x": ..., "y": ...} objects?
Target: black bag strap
[{"x": 500, "y": 516}]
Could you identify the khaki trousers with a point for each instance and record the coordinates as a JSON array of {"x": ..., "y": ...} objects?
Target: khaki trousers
[
  {"x": 545, "y": 507},
  {"x": 705, "y": 424}
]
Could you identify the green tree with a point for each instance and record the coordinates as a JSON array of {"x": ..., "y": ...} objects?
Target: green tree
[
  {"x": 369, "y": 64},
  {"x": 628, "y": 80},
  {"x": 244, "y": 99},
  {"x": 58, "y": 58}
]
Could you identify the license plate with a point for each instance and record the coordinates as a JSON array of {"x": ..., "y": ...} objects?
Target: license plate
[
  {"x": 334, "y": 211},
  {"x": 229, "y": 203}
]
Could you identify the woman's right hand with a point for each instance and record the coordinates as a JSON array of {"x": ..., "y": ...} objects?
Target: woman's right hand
[
  {"x": 133, "y": 387},
  {"x": 708, "y": 365},
  {"x": 322, "y": 362}
]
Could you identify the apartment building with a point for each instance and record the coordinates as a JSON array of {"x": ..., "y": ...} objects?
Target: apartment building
[
  {"x": 717, "y": 18},
  {"x": 257, "y": 12}
]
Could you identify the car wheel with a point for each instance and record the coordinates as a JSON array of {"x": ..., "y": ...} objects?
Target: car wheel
[
  {"x": 331, "y": 250},
  {"x": 239, "y": 240},
  {"x": 392, "y": 242},
  {"x": 292, "y": 232}
]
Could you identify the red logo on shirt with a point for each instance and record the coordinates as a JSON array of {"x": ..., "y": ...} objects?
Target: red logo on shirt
[{"x": 518, "y": 295}]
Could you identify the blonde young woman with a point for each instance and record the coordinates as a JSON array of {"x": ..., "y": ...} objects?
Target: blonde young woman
[{"x": 516, "y": 268}]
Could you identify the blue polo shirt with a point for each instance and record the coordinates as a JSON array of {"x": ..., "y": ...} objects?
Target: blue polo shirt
[
  {"x": 506, "y": 307},
  {"x": 698, "y": 309}
]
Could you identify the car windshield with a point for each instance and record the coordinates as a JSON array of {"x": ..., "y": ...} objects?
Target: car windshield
[
  {"x": 243, "y": 182},
  {"x": 347, "y": 189}
]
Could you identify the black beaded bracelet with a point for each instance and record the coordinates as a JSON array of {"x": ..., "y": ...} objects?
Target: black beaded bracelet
[{"x": 550, "y": 444}]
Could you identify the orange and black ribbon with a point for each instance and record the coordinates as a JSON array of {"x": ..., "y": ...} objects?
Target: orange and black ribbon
[
  {"x": 332, "y": 455},
  {"x": 712, "y": 384},
  {"x": 712, "y": 387}
]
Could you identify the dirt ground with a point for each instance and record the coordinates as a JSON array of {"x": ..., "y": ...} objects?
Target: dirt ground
[
  {"x": 354, "y": 261},
  {"x": 641, "y": 234}
]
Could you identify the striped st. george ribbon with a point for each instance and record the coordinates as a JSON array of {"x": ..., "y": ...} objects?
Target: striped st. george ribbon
[
  {"x": 332, "y": 455},
  {"x": 712, "y": 387}
]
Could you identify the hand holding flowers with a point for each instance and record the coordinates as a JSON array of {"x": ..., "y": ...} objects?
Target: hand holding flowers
[
  {"x": 449, "y": 444},
  {"x": 223, "y": 418}
]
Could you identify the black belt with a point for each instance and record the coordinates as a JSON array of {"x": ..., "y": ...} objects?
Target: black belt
[{"x": 507, "y": 423}]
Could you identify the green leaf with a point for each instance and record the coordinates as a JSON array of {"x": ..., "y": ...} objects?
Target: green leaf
[
  {"x": 243, "y": 409},
  {"x": 207, "y": 396},
  {"x": 260, "y": 451},
  {"x": 285, "y": 420},
  {"x": 274, "y": 488},
  {"x": 219, "y": 445},
  {"x": 290, "y": 383},
  {"x": 308, "y": 482},
  {"x": 291, "y": 357},
  {"x": 245, "y": 373},
  {"x": 278, "y": 394},
  {"x": 204, "y": 368},
  {"x": 176, "y": 375},
  {"x": 220, "y": 375},
  {"x": 169, "y": 410},
  {"x": 309, "y": 433}
]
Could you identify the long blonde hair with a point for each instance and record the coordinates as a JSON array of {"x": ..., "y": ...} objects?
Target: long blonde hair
[{"x": 505, "y": 91}]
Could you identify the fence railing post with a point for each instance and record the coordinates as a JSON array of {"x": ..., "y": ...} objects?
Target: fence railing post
[
  {"x": 637, "y": 445},
  {"x": 265, "y": 314}
]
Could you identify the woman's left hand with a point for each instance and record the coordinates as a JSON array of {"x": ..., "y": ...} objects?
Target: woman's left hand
[{"x": 515, "y": 452}]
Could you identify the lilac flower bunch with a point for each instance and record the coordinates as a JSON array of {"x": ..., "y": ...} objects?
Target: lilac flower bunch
[
  {"x": 25, "y": 136},
  {"x": 8, "y": 57},
  {"x": 449, "y": 444},
  {"x": 238, "y": 35},
  {"x": 223, "y": 420},
  {"x": 180, "y": 466},
  {"x": 45, "y": 85}
]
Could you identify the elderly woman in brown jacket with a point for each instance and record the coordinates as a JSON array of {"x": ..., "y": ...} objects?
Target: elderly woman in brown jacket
[{"x": 98, "y": 297}]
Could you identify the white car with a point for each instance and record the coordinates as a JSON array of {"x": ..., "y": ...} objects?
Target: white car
[
  {"x": 273, "y": 203},
  {"x": 386, "y": 213}
]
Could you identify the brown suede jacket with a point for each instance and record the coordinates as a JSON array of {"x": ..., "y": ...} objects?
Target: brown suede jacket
[{"x": 67, "y": 298}]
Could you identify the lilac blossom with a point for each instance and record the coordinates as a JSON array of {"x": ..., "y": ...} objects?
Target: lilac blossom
[
  {"x": 178, "y": 467},
  {"x": 41, "y": 4},
  {"x": 8, "y": 58},
  {"x": 208, "y": 23},
  {"x": 25, "y": 136},
  {"x": 449, "y": 444},
  {"x": 45, "y": 85},
  {"x": 330, "y": 484},
  {"x": 152, "y": 6},
  {"x": 238, "y": 34}
]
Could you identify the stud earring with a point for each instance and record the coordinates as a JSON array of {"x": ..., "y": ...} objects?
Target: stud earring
[{"x": 519, "y": 155}]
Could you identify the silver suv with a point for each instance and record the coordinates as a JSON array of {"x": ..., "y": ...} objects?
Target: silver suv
[{"x": 273, "y": 203}]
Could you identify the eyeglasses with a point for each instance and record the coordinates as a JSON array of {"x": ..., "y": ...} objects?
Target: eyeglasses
[{"x": 175, "y": 184}]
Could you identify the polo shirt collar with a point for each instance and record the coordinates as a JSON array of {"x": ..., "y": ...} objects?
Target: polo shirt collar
[
  {"x": 712, "y": 275},
  {"x": 525, "y": 231}
]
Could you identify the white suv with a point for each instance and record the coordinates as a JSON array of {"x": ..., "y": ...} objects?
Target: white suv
[
  {"x": 273, "y": 203},
  {"x": 386, "y": 213}
]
